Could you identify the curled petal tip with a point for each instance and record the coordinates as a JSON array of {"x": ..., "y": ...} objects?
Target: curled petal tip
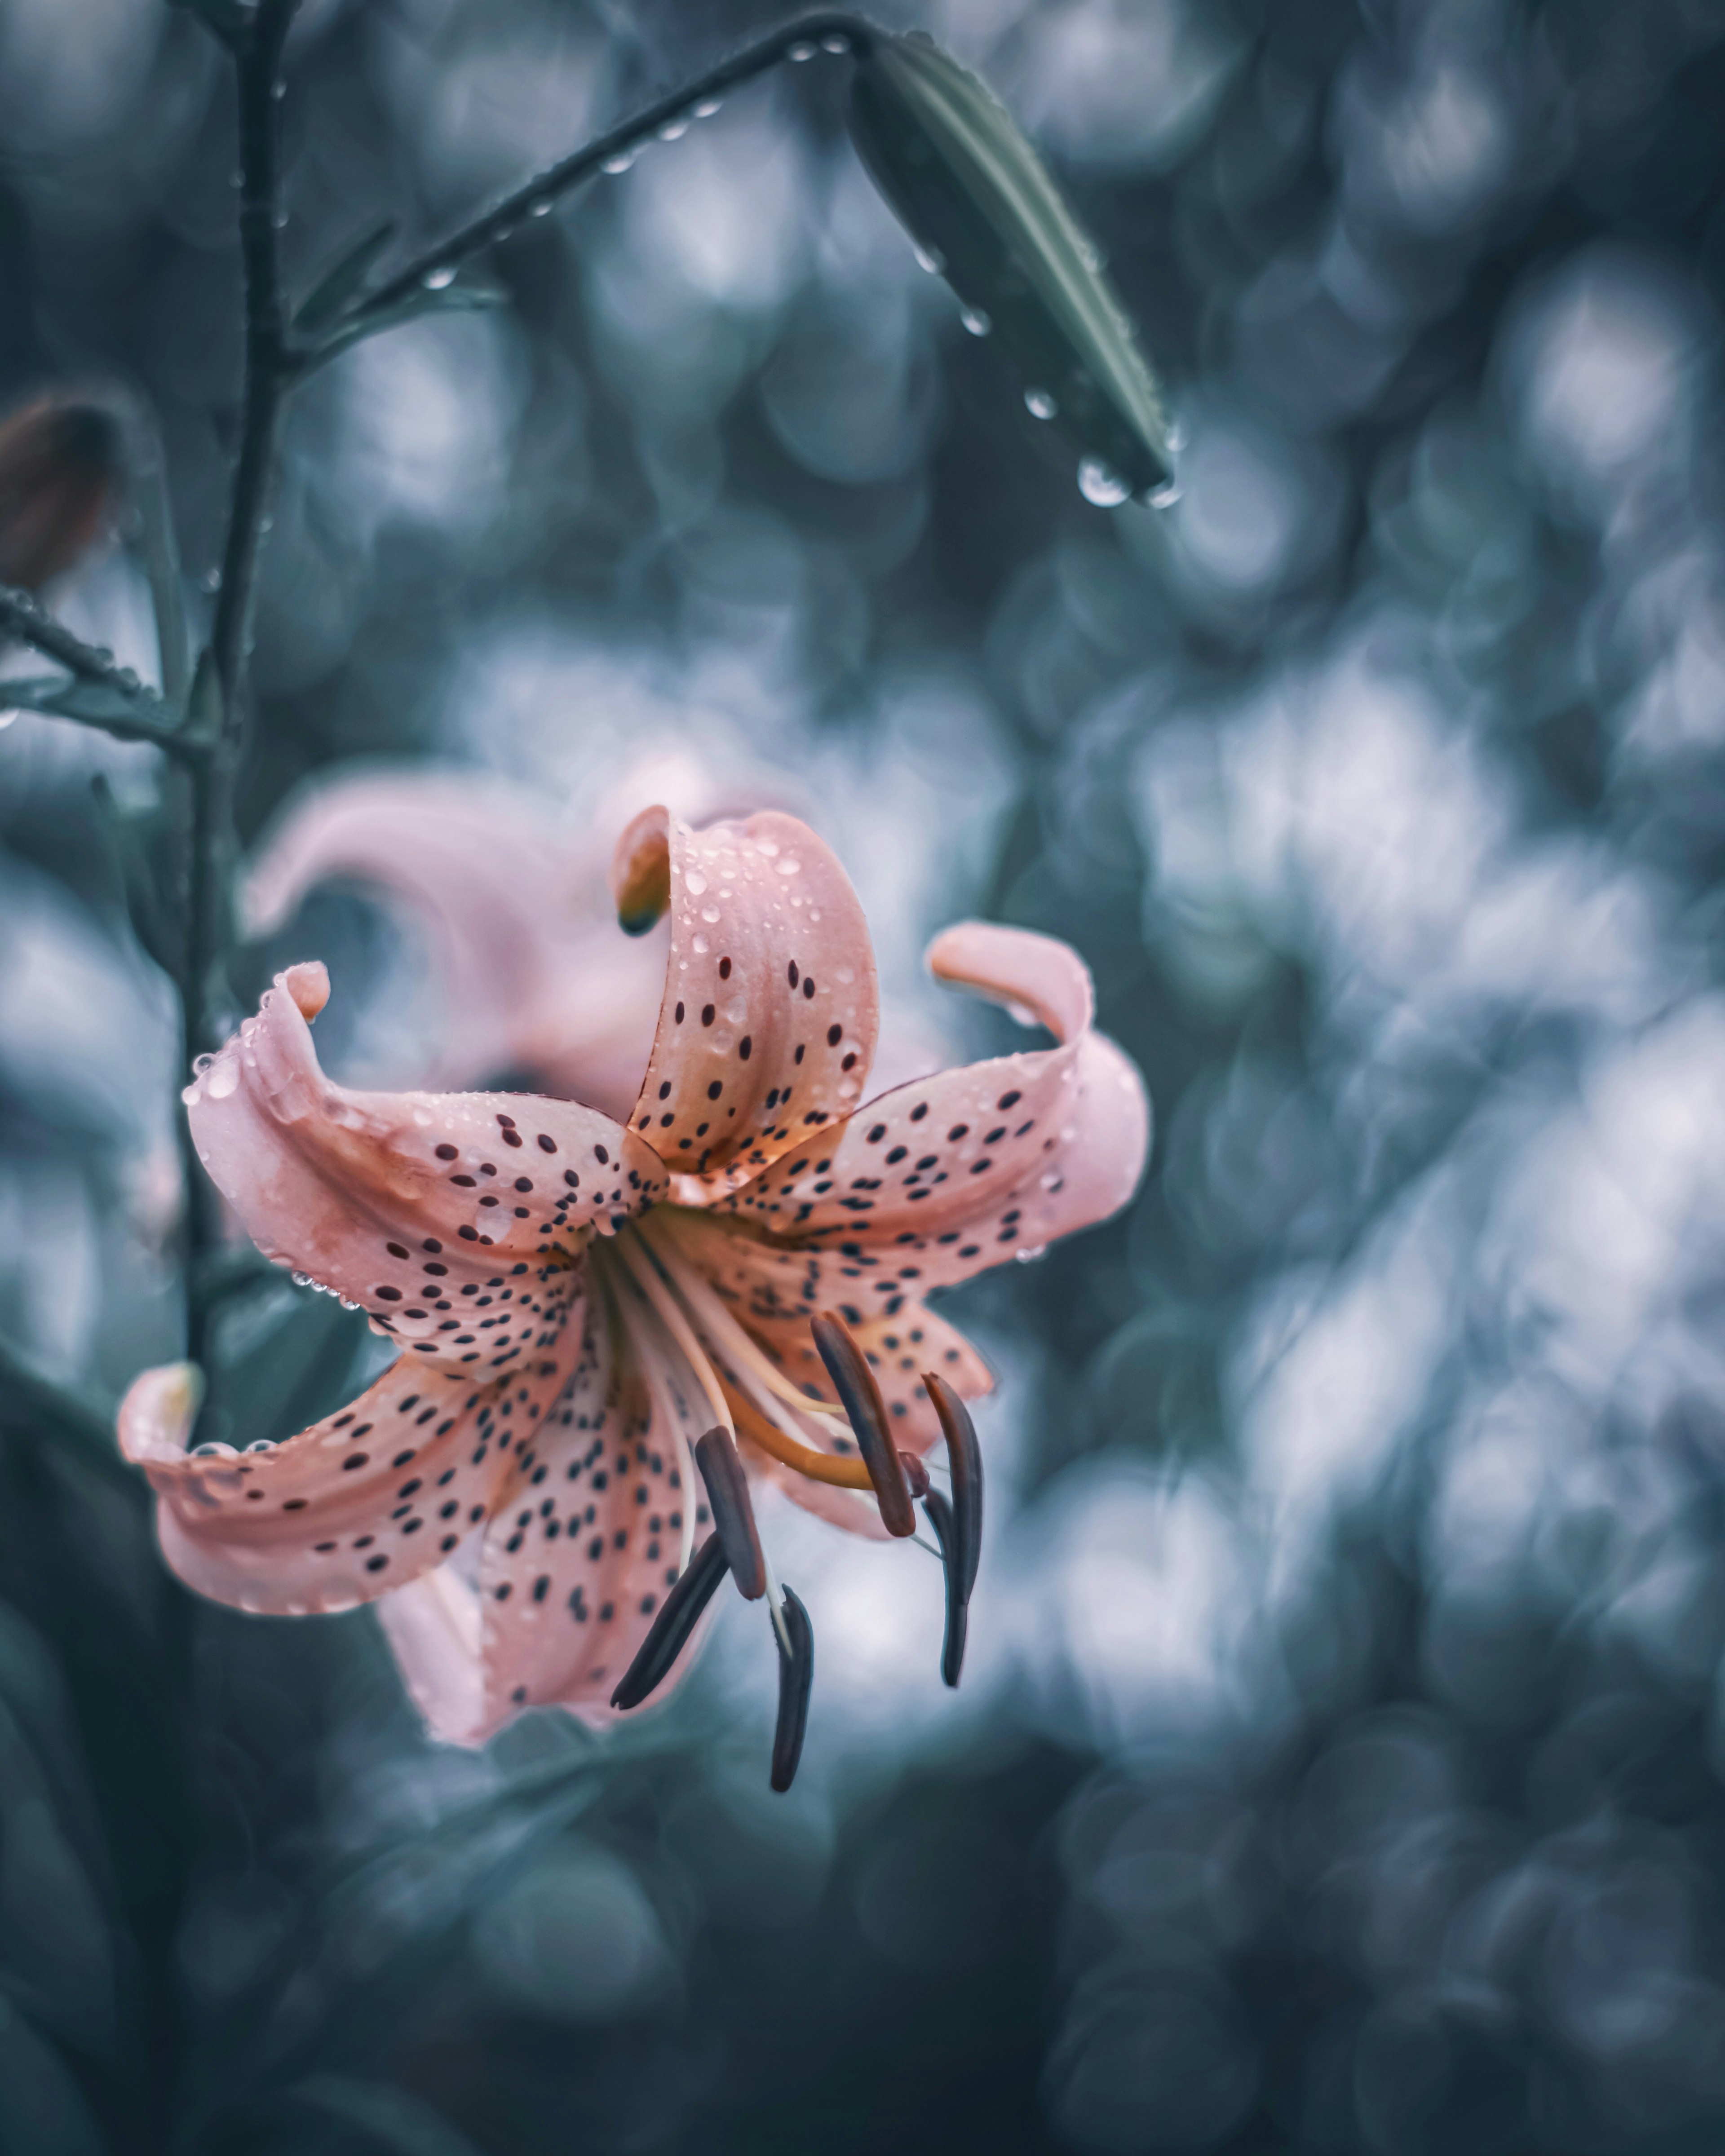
[
  {"x": 309, "y": 985},
  {"x": 640, "y": 872},
  {"x": 159, "y": 1410}
]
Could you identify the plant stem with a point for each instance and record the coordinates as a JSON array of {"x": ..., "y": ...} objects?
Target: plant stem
[
  {"x": 498, "y": 222},
  {"x": 268, "y": 370}
]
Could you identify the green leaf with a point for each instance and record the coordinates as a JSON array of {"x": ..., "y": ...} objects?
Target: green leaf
[
  {"x": 456, "y": 299},
  {"x": 344, "y": 279},
  {"x": 967, "y": 185}
]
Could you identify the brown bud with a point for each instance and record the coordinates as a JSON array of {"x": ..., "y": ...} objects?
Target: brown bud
[{"x": 60, "y": 465}]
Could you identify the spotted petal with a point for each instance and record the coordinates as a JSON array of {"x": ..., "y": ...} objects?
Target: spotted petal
[
  {"x": 771, "y": 1008},
  {"x": 585, "y": 1542},
  {"x": 360, "y": 1502},
  {"x": 946, "y": 1177},
  {"x": 426, "y": 1210}
]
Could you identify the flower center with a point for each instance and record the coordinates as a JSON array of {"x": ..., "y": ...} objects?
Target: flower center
[{"x": 686, "y": 1340}]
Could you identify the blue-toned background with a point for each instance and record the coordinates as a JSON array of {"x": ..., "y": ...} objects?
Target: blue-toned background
[{"x": 1339, "y": 1763}]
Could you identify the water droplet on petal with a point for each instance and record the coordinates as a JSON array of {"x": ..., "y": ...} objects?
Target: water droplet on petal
[
  {"x": 1101, "y": 483},
  {"x": 1029, "y": 1257},
  {"x": 1040, "y": 404},
  {"x": 437, "y": 279},
  {"x": 222, "y": 1079},
  {"x": 976, "y": 322},
  {"x": 694, "y": 883},
  {"x": 929, "y": 259}
]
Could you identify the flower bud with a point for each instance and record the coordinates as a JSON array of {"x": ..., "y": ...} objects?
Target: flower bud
[
  {"x": 983, "y": 211},
  {"x": 60, "y": 466}
]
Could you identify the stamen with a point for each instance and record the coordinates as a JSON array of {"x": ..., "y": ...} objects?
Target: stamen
[
  {"x": 790, "y": 1452},
  {"x": 646, "y": 1277},
  {"x": 727, "y": 1493},
  {"x": 727, "y": 1333},
  {"x": 668, "y": 1633},
  {"x": 646, "y": 1336},
  {"x": 965, "y": 1456},
  {"x": 796, "y": 1681},
  {"x": 940, "y": 1518},
  {"x": 915, "y": 1473},
  {"x": 855, "y": 1384}
]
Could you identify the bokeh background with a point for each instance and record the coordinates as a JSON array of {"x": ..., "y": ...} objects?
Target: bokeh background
[{"x": 1338, "y": 1764}]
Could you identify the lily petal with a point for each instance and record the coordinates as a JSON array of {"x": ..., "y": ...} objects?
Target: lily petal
[
  {"x": 360, "y": 1502},
  {"x": 434, "y": 1631},
  {"x": 944, "y": 1177},
  {"x": 771, "y": 1006},
  {"x": 584, "y": 1544},
  {"x": 423, "y": 1208}
]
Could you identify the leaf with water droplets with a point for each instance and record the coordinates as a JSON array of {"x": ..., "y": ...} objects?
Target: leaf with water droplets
[
  {"x": 980, "y": 206},
  {"x": 452, "y": 295}
]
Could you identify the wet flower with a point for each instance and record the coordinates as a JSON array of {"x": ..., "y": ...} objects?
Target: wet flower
[{"x": 582, "y": 1304}]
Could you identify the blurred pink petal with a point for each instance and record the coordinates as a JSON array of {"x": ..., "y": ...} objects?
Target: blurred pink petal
[
  {"x": 535, "y": 974},
  {"x": 657, "y": 1304}
]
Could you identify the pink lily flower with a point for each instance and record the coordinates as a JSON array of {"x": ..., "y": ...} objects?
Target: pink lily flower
[{"x": 596, "y": 1318}]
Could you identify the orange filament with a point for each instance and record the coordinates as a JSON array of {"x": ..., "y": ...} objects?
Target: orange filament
[{"x": 803, "y": 1459}]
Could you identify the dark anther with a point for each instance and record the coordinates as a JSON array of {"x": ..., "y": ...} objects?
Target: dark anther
[
  {"x": 916, "y": 1474},
  {"x": 733, "y": 1516},
  {"x": 860, "y": 1397},
  {"x": 796, "y": 1681},
  {"x": 668, "y": 1633},
  {"x": 940, "y": 1518},
  {"x": 966, "y": 1458}
]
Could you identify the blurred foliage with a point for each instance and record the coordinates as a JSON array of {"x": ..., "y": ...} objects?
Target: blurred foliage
[{"x": 1344, "y": 1771}]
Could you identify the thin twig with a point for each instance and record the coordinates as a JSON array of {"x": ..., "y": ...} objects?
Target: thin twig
[
  {"x": 133, "y": 712},
  {"x": 499, "y": 222}
]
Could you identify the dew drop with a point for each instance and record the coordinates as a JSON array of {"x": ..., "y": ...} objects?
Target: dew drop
[
  {"x": 1030, "y": 1257},
  {"x": 543, "y": 207},
  {"x": 802, "y": 50},
  {"x": 1101, "y": 483},
  {"x": 699, "y": 945},
  {"x": 694, "y": 883},
  {"x": 707, "y": 107},
  {"x": 619, "y": 163},
  {"x": 440, "y": 278},
  {"x": 709, "y": 914},
  {"x": 1164, "y": 497},
  {"x": 261, "y": 1445},
  {"x": 929, "y": 259},
  {"x": 674, "y": 130},
  {"x": 1040, "y": 404},
  {"x": 976, "y": 322},
  {"x": 6, "y": 720},
  {"x": 835, "y": 44},
  {"x": 222, "y": 1078}
]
